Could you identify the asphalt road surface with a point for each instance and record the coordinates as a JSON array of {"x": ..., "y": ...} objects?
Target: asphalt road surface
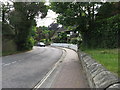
[{"x": 25, "y": 70}]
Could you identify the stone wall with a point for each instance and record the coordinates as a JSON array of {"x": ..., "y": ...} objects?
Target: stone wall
[{"x": 97, "y": 75}]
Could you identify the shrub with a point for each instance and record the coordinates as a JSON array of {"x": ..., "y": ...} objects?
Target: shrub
[
  {"x": 74, "y": 40},
  {"x": 30, "y": 43},
  {"x": 27, "y": 45},
  {"x": 105, "y": 34},
  {"x": 43, "y": 40}
]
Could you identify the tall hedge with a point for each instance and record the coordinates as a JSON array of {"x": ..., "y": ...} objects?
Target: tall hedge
[{"x": 105, "y": 33}]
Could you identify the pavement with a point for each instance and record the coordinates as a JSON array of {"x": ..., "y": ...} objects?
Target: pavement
[
  {"x": 25, "y": 70},
  {"x": 68, "y": 74}
]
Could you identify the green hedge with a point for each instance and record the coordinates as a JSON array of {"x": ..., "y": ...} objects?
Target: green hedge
[
  {"x": 73, "y": 40},
  {"x": 105, "y": 33}
]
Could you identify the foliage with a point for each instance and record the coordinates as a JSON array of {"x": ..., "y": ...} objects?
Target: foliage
[
  {"x": 7, "y": 30},
  {"x": 81, "y": 14},
  {"x": 5, "y": 11},
  {"x": 106, "y": 32},
  {"x": 44, "y": 35},
  {"x": 74, "y": 41},
  {"x": 29, "y": 44},
  {"x": 108, "y": 9},
  {"x": 61, "y": 38},
  {"x": 88, "y": 17},
  {"x": 43, "y": 40},
  {"x": 22, "y": 18}
]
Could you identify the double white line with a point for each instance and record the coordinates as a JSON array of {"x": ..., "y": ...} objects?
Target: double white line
[{"x": 39, "y": 84}]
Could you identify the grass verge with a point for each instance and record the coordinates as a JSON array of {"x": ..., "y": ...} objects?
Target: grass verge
[{"x": 107, "y": 57}]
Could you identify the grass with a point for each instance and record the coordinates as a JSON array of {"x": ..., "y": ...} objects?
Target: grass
[{"x": 107, "y": 57}]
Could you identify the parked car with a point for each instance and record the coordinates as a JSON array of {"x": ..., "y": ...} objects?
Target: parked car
[{"x": 41, "y": 44}]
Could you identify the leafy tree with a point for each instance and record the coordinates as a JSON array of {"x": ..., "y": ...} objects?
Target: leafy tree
[
  {"x": 81, "y": 14},
  {"x": 60, "y": 38},
  {"x": 22, "y": 18},
  {"x": 5, "y": 11},
  {"x": 106, "y": 32},
  {"x": 86, "y": 15},
  {"x": 108, "y": 9},
  {"x": 44, "y": 34},
  {"x": 7, "y": 29}
]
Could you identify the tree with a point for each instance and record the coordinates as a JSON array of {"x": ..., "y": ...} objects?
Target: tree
[
  {"x": 23, "y": 18},
  {"x": 81, "y": 14},
  {"x": 108, "y": 9},
  {"x": 44, "y": 34},
  {"x": 7, "y": 29},
  {"x": 5, "y": 11}
]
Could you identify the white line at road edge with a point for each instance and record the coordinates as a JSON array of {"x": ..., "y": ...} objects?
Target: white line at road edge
[{"x": 50, "y": 72}]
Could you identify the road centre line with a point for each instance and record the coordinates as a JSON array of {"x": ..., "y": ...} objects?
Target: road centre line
[
  {"x": 14, "y": 62},
  {"x": 10, "y": 63},
  {"x": 39, "y": 84},
  {"x": 6, "y": 64}
]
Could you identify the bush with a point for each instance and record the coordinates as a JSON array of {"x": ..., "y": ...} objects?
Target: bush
[
  {"x": 27, "y": 45},
  {"x": 105, "y": 34},
  {"x": 43, "y": 40},
  {"x": 74, "y": 41}
]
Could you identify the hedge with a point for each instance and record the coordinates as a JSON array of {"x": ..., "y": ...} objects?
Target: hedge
[{"x": 105, "y": 33}]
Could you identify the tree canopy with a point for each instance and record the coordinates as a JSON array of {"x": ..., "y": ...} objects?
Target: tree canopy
[
  {"x": 85, "y": 16},
  {"x": 23, "y": 18}
]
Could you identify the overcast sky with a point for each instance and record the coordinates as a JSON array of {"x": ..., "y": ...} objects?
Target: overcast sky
[{"x": 50, "y": 18}]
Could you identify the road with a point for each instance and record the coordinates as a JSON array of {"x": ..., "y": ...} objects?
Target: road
[
  {"x": 25, "y": 70},
  {"x": 71, "y": 46}
]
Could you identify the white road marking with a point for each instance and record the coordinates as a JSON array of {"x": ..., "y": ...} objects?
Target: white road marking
[
  {"x": 19, "y": 60},
  {"x": 10, "y": 63},
  {"x": 50, "y": 72},
  {"x": 7, "y": 64},
  {"x": 14, "y": 62}
]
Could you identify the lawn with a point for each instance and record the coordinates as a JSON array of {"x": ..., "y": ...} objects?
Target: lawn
[{"x": 107, "y": 57}]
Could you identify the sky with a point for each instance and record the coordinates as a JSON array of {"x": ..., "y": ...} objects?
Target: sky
[{"x": 50, "y": 18}]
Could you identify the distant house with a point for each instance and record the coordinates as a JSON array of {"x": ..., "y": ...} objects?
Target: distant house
[{"x": 71, "y": 33}]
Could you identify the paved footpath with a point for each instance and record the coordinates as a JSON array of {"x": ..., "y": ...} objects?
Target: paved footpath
[{"x": 71, "y": 74}]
